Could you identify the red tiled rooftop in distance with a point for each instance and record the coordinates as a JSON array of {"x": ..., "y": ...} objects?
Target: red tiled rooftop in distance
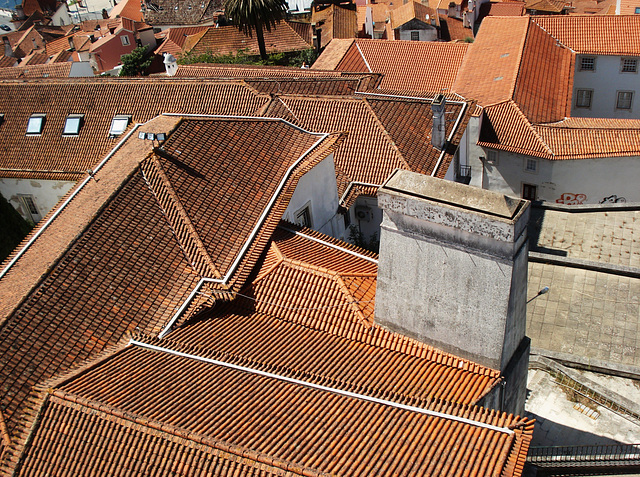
[
  {"x": 407, "y": 65},
  {"x": 50, "y": 70}
]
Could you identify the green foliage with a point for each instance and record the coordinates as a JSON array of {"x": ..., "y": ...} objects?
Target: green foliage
[
  {"x": 136, "y": 62},
  {"x": 242, "y": 57},
  {"x": 255, "y": 16},
  {"x": 356, "y": 237},
  {"x": 13, "y": 228},
  {"x": 468, "y": 40}
]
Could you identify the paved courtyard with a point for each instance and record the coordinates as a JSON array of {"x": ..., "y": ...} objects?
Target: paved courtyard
[{"x": 592, "y": 315}]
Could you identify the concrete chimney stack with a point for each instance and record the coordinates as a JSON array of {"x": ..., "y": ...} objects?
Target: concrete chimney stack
[
  {"x": 439, "y": 127},
  {"x": 453, "y": 274}
]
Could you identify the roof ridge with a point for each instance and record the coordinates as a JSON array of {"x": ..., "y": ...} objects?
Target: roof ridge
[
  {"x": 353, "y": 303},
  {"x": 386, "y": 133},
  {"x": 532, "y": 129},
  {"x": 521, "y": 48},
  {"x": 196, "y": 252}
]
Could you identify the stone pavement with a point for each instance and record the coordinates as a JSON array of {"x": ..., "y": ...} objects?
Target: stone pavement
[{"x": 589, "y": 314}]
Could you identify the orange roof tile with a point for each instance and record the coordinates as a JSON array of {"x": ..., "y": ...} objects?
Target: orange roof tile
[
  {"x": 513, "y": 58},
  {"x": 50, "y": 70},
  {"x": 127, "y": 9},
  {"x": 332, "y": 54},
  {"x": 547, "y": 6},
  {"x": 151, "y": 242},
  {"x": 452, "y": 29},
  {"x": 379, "y": 13},
  {"x": 572, "y": 138},
  {"x": 228, "y": 39},
  {"x": 503, "y": 9},
  {"x": 335, "y": 21},
  {"x": 407, "y": 65},
  {"x": 411, "y": 10},
  {"x": 175, "y": 38},
  {"x": 595, "y": 34},
  {"x": 53, "y": 156}
]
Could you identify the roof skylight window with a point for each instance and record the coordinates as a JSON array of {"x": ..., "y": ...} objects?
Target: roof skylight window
[
  {"x": 35, "y": 124},
  {"x": 119, "y": 124},
  {"x": 72, "y": 124}
]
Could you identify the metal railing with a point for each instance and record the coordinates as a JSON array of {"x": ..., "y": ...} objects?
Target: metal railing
[{"x": 585, "y": 456}]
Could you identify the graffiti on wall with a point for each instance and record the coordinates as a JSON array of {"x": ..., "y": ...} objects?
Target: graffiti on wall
[
  {"x": 613, "y": 199},
  {"x": 571, "y": 199}
]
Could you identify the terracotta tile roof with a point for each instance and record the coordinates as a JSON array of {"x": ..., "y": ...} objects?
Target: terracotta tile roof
[
  {"x": 137, "y": 261},
  {"x": 377, "y": 143},
  {"x": 335, "y": 21},
  {"x": 329, "y": 434},
  {"x": 407, "y": 65},
  {"x": 229, "y": 39},
  {"x": 303, "y": 29},
  {"x": 67, "y": 158},
  {"x": 548, "y": 6},
  {"x": 220, "y": 70},
  {"x": 513, "y": 58},
  {"x": 572, "y": 138},
  {"x": 452, "y": 29},
  {"x": 8, "y": 61},
  {"x": 175, "y": 38},
  {"x": 595, "y": 34},
  {"x": 127, "y": 9},
  {"x": 502, "y": 9},
  {"x": 50, "y": 70},
  {"x": 343, "y": 86},
  {"x": 379, "y": 13},
  {"x": 181, "y": 12},
  {"x": 627, "y": 7},
  {"x": 35, "y": 58},
  {"x": 332, "y": 54}
]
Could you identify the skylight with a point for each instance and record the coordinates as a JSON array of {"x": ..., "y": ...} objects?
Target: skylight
[
  {"x": 73, "y": 124},
  {"x": 119, "y": 124},
  {"x": 35, "y": 124}
]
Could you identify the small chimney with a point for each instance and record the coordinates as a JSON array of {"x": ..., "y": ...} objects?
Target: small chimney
[
  {"x": 170, "y": 64},
  {"x": 452, "y": 273},
  {"x": 72, "y": 45},
  {"x": 439, "y": 126}
]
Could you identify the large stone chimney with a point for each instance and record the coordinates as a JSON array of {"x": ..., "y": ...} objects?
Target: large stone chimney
[
  {"x": 453, "y": 274},
  {"x": 439, "y": 126}
]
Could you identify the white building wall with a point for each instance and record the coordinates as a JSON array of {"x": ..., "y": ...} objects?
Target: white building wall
[
  {"x": 605, "y": 82},
  {"x": 581, "y": 181},
  {"x": 61, "y": 16},
  {"x": 430, "y": 34},
  {"x": 318, "y": 190},
  {"x": 45, "y": 193}
]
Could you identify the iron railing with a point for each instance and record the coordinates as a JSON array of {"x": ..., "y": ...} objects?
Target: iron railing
[{"x": 585, "y": 456}]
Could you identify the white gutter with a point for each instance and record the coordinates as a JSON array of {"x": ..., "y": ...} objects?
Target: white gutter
[
  {"x": 453, "y": 131},
  {"x": 330, "y": 245},
  {"x": 320, "y": 387},
  {"x": 363, "y": 58},
  {"x": 66, "y": 202},
  {"x": 350, "y": 186}
]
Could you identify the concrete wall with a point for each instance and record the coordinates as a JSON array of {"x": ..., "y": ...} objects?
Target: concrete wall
[
  {"x": 46, "y": 194},
  {"x": 318, "y": 189},
  {"x": 580, "y": 181},
  {"x": 427, "y": 33},
  {"x": 605, "y": 81},
  {"x": 453, "y": 271}
]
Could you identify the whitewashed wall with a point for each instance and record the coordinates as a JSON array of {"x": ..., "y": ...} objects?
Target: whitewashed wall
[
  {"x": 46, "y": 194},
  {"x": 430, "y": 34},
  {"x": 318, "y": 188},
  {"x": 587, "y": 181},
  {"x": 605, "y": 81}
]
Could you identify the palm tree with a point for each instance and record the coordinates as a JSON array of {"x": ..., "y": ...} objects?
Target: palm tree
[{"x": 250, "y": 15}]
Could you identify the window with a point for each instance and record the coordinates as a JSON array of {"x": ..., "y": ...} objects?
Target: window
[
  {"x": 587, "y": 63},
  {"x": 415, "y": 36},
  {"x": 125, "y": 40},
  {"x": 529, "y": 191},
  {"x": 637, "y": 11},
  {"x": 31, "y": 211},
  {"x": 625, "y": 98},
  {"x": 492, "y": 157},
  {"x": 583, "y": 98},
  {"x": 629, "y": 65},
  {"x": 35, "y": 124},
  {"x": 531, "y": 165},
  {"x": 72, "y": 125},
  {"x": 119, "y": 124},
  {"x": 303, "y": 216}
]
